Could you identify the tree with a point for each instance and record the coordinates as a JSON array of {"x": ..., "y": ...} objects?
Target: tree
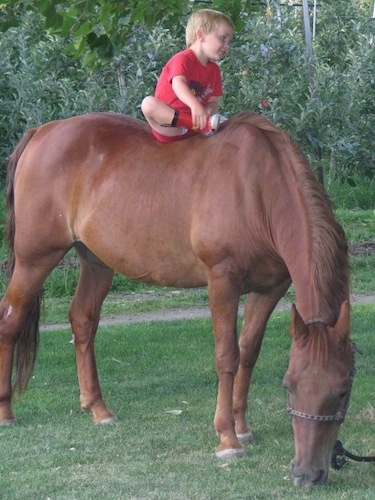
[{"x": 98, "y": 28}]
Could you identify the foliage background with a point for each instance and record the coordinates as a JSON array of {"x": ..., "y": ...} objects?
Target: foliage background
[{"x": 51, "y": 74}]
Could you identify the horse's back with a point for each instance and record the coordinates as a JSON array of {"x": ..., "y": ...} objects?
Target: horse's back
[{"x": 103, "y": 179}]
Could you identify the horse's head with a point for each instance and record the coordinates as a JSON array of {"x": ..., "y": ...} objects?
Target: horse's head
[{"x": 318, "y": 379}]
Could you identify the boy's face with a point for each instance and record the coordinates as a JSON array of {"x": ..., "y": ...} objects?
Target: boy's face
[{"x": 216, "y": 43}]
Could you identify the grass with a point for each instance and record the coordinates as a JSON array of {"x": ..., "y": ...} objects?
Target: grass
[
  {"x": 147, "y": 369},
  {"x": 359, "y": 225}
]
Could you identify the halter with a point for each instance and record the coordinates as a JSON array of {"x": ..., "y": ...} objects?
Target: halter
[{"x": 339, "y": 417}]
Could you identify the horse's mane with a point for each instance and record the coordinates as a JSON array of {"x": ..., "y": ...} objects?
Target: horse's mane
[
  {"x": 319, "y": 343},
  {"x": 329, "y": 249}
]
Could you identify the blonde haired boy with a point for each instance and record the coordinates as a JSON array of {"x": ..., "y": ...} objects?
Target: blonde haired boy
[{"x": 187, "y": 93}]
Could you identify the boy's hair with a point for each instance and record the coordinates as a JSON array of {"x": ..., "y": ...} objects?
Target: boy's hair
[{"x": 207, "y": 20}]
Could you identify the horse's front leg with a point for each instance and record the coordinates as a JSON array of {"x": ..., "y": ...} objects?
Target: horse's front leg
[
  {"x": 84, "y": 314},
  {"x": 224, "y": 300},
  {"x": 258, "y": 308}
]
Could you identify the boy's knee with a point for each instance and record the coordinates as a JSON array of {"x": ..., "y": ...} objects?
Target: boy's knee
[{"x": 147, "y": 105}]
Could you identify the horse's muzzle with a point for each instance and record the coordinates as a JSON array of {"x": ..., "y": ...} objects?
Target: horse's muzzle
[{"x": 303, "y": 477}]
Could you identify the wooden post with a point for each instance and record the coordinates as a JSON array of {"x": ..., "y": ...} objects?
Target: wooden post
[
  {"x": 312, "y": 83},
  {"x": 309, "y": 49}
]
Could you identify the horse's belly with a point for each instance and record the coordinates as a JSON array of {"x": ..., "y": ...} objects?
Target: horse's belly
[
  {"x": 165, "y": 273},
  {"x": 159, "y": 262}
]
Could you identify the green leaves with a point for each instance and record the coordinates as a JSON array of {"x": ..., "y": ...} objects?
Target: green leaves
[
  {"x": 54, "y": 20},
  {"x": 97, "y": 28}
]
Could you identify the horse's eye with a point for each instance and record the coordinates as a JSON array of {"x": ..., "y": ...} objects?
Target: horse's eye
[
  {"x": 343, "y": 394},
  {"x": 286, "y": 384}
]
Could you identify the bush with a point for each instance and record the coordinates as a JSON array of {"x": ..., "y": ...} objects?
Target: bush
[{"x": 330, "y": 111}]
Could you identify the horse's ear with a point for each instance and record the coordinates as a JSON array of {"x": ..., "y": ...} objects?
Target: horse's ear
[
  {"x": 342, "y": 327},
  {"x": 298, "y": 327}
]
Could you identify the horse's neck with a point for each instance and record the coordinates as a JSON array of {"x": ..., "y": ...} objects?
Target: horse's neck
[
  {"x": 302, "y": 275},
  {"x": 320, "y": 285},
  {"x": 317, "y": 266},
  {"x": 308, "y": 304},
  {"x": 305, "y": 233}
]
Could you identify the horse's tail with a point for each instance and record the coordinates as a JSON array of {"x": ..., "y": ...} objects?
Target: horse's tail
[{"x": 27, "y": 344}]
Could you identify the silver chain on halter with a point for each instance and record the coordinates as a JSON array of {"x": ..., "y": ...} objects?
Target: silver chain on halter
[{"x": 340, "y": 415}]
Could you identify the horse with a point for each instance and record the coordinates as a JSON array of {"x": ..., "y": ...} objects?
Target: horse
[{"x": 240, "y": 212}]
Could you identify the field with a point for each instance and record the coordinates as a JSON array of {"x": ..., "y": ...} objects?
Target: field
[{"x": 160, "y": 380}]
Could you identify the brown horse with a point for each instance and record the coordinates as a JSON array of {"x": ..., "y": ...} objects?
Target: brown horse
[{"x": 240, "y": 212}]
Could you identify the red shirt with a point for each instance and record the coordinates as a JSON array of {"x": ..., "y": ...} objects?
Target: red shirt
[{"x": 204, "y": 81}]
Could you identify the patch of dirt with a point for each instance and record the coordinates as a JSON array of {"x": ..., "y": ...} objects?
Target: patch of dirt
[
  {"x": 364, "y": 249},
  {"x": 188, "y": 313}
]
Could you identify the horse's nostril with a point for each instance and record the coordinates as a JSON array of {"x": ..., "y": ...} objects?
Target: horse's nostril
[
  {"x": 303, "y": 478},
  {"x": 321, "y": 477}
]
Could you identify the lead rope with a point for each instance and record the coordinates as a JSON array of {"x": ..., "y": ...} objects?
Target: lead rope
[{"x": 340, "y": 456}]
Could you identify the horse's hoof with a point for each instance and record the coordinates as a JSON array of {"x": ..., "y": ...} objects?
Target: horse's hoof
[
  {"x": 108, "y": 420},
  {"x": 8, "y": 422},
  {"x": 245, "y": 437},
  {"x": 230, "y": 453}
]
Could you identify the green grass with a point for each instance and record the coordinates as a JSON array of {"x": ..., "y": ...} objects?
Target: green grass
[
  {"x": 55, "y": 451},
  {"x": 363, "y": 275},
  {"x": 359, "y": 225}
]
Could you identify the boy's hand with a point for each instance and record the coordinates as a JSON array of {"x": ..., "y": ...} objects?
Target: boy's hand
[{"x": 199, "y": 116}]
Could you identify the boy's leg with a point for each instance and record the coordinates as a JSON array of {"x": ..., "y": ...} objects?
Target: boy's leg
[
  {"x": 160, "y": 117},
  {"x": 185, "y": 120},
  {"x": 169, "y": 122}
]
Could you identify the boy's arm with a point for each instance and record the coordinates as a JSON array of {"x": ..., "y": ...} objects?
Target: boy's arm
[
  {"x": 212, "y": 106},
  {"x": 198, "y": 112}
]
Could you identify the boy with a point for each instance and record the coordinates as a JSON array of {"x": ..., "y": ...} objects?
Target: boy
[{"x": 187, "y": 92}]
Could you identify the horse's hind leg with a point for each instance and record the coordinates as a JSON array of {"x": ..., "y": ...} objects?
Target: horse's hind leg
[
  {"x": 19, "y": 321},
  {"x": 257, "y": 311},
  {"x": 94, "y": 283},
  {"x": 11, "y": 321}
]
